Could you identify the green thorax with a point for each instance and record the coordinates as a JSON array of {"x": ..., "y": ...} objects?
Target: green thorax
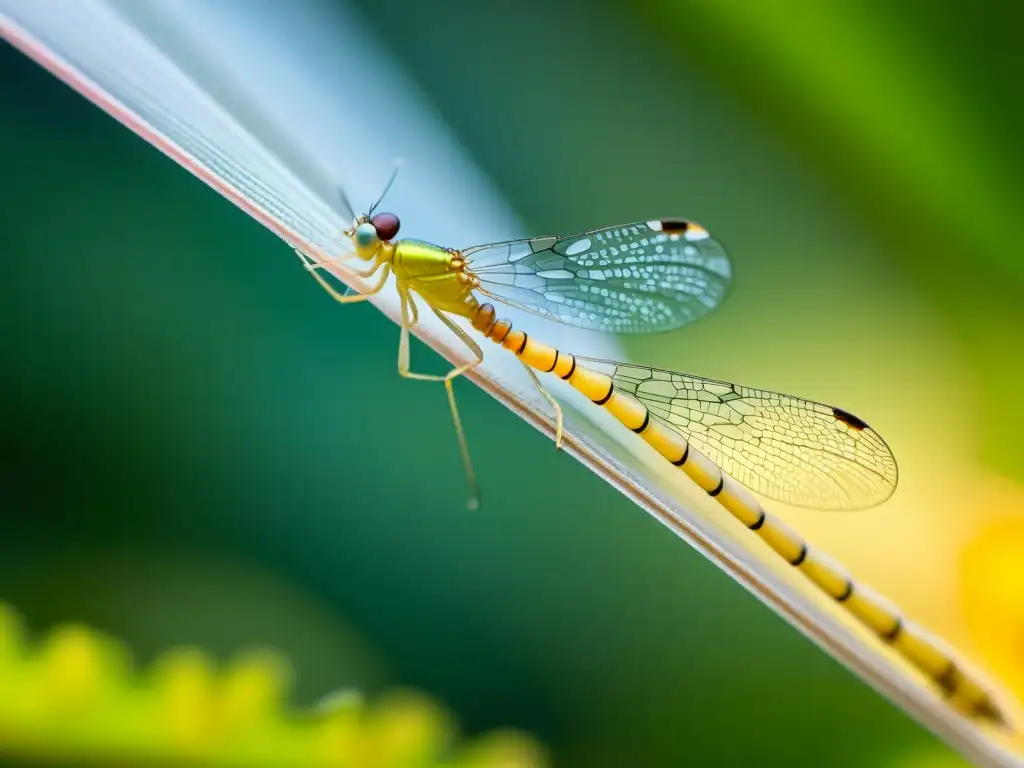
[
  {"x": 415, "y": 258},
  {"x": 429, "y": 270}
]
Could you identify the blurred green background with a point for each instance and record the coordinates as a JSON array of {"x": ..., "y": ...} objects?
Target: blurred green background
[{"x": 185, "y": 463}]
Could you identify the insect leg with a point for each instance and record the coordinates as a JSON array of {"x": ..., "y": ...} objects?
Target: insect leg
[
  {"x": 311, "y": 264},
  {"x": 362, "y": 273},
  {"x": 554, "y": 404},
  {"x": 403, "y": 370},
  {"x": 449, "y": 379},
  {"x": 353, "y": 296},
  {"x": 409, "y": 318},
  {"x": 415, "y": 313}
]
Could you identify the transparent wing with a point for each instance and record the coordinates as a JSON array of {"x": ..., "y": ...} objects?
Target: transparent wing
[
  {"x": 795, "y": 451},
  {"x": 635, "y": 278}
]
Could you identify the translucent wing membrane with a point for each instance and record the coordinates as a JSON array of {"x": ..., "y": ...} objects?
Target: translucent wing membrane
[
  {"x": 795, "y": 451},
  {"x": 635, "y": 278}
]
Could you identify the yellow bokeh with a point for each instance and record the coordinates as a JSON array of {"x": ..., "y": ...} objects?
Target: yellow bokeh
[
  {"x": 993, "y": 585},
  {"x": 76, "y": 698}
]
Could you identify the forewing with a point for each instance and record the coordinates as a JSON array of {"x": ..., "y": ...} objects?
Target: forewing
[
  {"x": 635, "y": 278},
  {"x": 796, "y": 451}
]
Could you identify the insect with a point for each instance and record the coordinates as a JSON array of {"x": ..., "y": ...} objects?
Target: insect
[{"x": 651, "y": 276}]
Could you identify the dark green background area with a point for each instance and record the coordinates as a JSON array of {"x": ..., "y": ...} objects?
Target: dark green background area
[{"x": 203, "y": 449}]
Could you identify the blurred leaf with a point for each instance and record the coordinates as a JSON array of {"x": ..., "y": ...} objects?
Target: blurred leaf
[{"x": 75, "y": 699}]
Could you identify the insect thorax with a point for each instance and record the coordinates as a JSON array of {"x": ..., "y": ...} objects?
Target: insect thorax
[
  {"x": 437, "y": 274},
  {"x": 415, "y": 258}
]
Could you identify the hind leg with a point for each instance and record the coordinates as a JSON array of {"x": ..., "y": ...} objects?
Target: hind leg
[{"x": 554, "y": 404}]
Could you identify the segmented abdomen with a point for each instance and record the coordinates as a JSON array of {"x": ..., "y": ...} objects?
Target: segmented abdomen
[{"x": 911, "y": 641}]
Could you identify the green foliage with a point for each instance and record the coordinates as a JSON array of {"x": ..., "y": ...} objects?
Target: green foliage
[
  {"x": 74, "y": 697},
  {"x": 913, "y": 112}
]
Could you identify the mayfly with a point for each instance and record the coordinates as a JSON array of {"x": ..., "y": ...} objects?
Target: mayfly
[{"x": 651, "y": 276}]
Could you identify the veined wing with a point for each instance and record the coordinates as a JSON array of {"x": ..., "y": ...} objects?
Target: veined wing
[
  {"x": 635, "y": 278},
  {"x": 795, "y": 451}
]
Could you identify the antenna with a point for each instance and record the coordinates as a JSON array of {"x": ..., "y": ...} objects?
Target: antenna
[
  {"x": 346, "y": 203},
  {"x": 399, "y": 162}
]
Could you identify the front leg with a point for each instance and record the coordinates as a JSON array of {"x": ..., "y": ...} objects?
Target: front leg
[
  {"x": 310, "y": 264},
  {"x": 360, "y": 273},
  {"x": 349, "y": 298}
]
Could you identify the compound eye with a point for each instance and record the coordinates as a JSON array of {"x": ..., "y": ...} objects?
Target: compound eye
[
  {"x": 386, "y": 224},
  {"x": 365, "y": 235}
]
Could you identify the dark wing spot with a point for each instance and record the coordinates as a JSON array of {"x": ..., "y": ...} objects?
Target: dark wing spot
[
  {"x": 674, "y": 226},
  {"x": 849, "y": 419}
]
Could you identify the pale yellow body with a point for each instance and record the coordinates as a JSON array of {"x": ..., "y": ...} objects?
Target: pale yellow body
[
  {"x": 912, "y": 642},
  {"x": 446, "y": 283}
]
